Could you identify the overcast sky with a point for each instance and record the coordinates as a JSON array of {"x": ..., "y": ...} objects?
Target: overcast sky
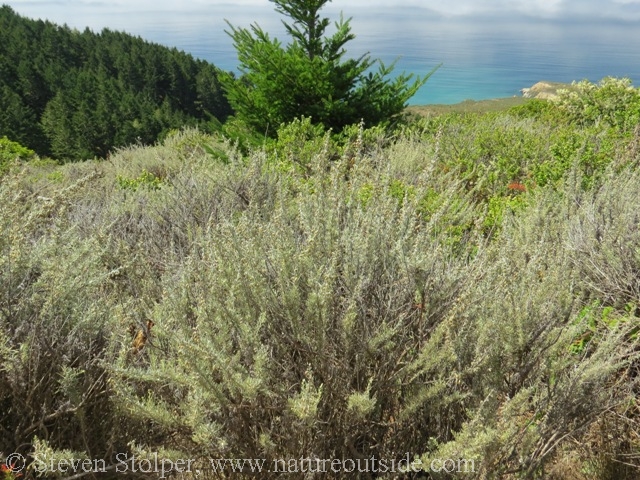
[
  {"x": 477, "y": 41},
  {"x": 619, "y": 9}
]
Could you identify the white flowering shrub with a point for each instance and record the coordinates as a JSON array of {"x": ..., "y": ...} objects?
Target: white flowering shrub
[{"x": 612, "y": 101}]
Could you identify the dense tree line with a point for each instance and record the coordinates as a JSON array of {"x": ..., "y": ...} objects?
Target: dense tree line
[{"x": 74, "y": 95}]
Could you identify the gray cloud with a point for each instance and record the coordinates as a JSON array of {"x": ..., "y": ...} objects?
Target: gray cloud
[
  {"x": 622, "y": 9},
  {"x": 74, "y": 12}
]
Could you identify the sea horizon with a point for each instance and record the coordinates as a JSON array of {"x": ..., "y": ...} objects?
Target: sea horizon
[{"x": 482, "y": 55}]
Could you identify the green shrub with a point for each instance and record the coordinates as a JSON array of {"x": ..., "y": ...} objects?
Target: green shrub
[
  {"x": 511, "y": 353},
  {"x": 613, "y": 101},
  {"x": 298, "y": 143},
  {"x": 310, "y": 76},
  {"x": 543, "y": 110},
  {"x": 10, "y": 152},
  {"x": 145, "y": 180},
  {"x": 606, "y": 242},
  {"x": 498, "y": 206},
  {"x": 308, "y": 332},
  {"x": 55, "y": 322},
  {"x": 352, "y": 304}
]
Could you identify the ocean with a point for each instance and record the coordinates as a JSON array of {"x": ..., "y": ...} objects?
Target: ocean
[{"x": 481, "y": 55}]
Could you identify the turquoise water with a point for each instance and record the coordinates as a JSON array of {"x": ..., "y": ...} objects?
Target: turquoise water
[{"x": 482, "y": 56}]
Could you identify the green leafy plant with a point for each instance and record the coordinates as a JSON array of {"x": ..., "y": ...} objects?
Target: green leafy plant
[
  {"x": 338, "y": 297},
  {"x": 311, "y": 76},
  {"x": 613, "y": 101},
  {"x": 298, "y": 143},
  {"x": 12, "y": 151},
  {"x": 146, "y": 180},
  {"x": 7, "y": 472}
]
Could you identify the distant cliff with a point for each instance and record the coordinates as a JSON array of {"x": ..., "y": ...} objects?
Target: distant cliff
[{"x": 544, "y": 90}]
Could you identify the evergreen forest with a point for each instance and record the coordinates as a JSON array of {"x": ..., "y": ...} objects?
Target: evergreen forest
[{"x": 76, "y": 95}]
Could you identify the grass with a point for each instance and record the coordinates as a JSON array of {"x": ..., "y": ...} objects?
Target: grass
[{"x": 468, "y": 106}]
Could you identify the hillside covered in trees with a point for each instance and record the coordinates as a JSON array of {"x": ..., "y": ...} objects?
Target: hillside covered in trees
[{"x": 75, "y": 95}]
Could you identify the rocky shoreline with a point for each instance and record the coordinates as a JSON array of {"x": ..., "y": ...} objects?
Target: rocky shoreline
[{"x": 544, "y": 90}]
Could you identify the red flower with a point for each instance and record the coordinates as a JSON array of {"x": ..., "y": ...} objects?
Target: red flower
[
  {"x": 517, "y": 187},
  {"x": 8, "y": 472}
]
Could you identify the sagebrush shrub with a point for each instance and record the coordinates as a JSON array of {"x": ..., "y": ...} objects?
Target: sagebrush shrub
[
  {"x": 55, "y": 324},
  {"x": 385, "y": 299},
  {"x": 310, "y": 332},
  {"x": 512, "y": 344}
]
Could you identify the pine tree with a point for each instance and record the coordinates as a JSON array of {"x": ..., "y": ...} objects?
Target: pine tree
[
  {"x": 311, "y": 76},
  {"x": 76, "y": 95}
]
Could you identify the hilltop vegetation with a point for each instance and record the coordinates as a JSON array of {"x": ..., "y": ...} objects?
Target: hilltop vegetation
[
  {"x": 311, "y": 75},
  {"x": 76, "y": 95},
  {"x": 465, "y": 287},
  {"x": 460, "y": 286}
]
